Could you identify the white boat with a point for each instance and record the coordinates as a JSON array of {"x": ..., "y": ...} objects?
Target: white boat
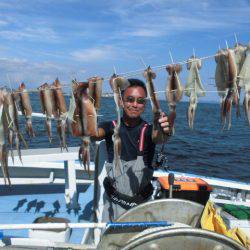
[{"x": 52, "y": 186}]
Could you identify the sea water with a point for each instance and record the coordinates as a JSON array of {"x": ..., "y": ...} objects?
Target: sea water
[{"x": 206, "y": 150}]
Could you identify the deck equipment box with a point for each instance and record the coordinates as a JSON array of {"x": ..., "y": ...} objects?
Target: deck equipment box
[{"x": 194, "y": 189}]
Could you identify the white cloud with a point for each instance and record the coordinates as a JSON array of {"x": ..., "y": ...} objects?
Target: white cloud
[
  {"x": 94, "y": 54},
  {"x": 160, "y": 18},
  {"x": 37, "y": 72},
  {"x": 41, "y": 33}
]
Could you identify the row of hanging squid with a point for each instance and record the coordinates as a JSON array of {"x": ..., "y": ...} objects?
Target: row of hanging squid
[
  {"x": 81, "y": 119},
  {"x": 232, "y": 73}
]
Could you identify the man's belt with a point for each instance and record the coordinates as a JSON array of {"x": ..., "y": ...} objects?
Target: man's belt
[{"x": 124, "y": 200}]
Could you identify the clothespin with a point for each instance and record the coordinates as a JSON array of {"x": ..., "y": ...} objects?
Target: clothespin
[
  {"x": 114, "y": 69},
  {"x": 171, "y": 57},
  {"x": 226, "y": 44},
  {"x": 236, "y": 39},
  {"x": 143, "y": 63},
  {"x": 193, "y": 53}
]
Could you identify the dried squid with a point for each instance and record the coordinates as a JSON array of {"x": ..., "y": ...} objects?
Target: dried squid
[
  {"x": 156, "y": 109},
  {"x": 61, "y": 110},
  {"x": 83, "y": 119},
  {"x": 232, "y": 95},
  {"x": 221, "y": 77},
  {"x": 11, "y": 112},
  {"x": 244, "y": 82},
  {"x": 94, "y": 96},
  {"x": 3, "y": 132},
  {"x": 174, "y": 89},
  {"x": 48, "y": 106},
  {"x": 194, "y": 88},
  {"x": 26, "y": 108},
  {"x": 240, "y": 55},
  {"x": 118, "y": 84}
]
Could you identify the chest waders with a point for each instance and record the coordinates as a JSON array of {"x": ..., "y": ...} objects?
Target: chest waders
[{"x": 131, "y": 186}]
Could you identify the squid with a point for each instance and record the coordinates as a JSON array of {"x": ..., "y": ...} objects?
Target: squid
[
  {"x": 156, "y": 109},
  {"x": 244, "y": 82},
  {"x": 61, "y": 110},
  {"x": 232, "y": 95},
  {"x": 48, "y": 106},
  {"x": 88, "y": 119},
  {"x": 76, "y": 124},
  {"x": 95, "y": 91},
  {"x": 118, "y": 84},
  {"x": 11, "y": 112},
  {"x": 3, "y": 132},
  {"x": 73, "y": 116},
  {"x": 221, "y": 77},
  {"x": 93, "y": 95},
  {"x": 194, "y": 88},
  {"x": 83, "y": 119},
  {"x": 240, "y": 55},
  {"x": 174, "y": 89},
  {"x": 26, "y": 108}
]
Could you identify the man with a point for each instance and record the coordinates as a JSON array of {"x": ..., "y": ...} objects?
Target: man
[{"x": 133, "y": 185}]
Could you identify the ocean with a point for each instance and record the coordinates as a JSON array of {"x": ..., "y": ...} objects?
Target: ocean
[{"x": 205, "y": 150}]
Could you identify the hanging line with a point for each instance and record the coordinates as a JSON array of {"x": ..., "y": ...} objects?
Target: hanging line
[{"x": 130, "y": 73}]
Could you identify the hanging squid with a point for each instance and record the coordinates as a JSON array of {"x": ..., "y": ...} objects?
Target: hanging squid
[
  {"x": 48, "y": 106},
  {"x": 240, "y": 55},
  {"x": 156, "y": 109},
  {"x": 221, "y": 78},
  {"x": 11, "y": 112},
  {"x": 174, "y": 89},
  {"x": 118, "y": 84},
  {"x": 244, "y": 82},
  {"x": 61, "y": 110},
  {"x": 94, "y": 96},
  {"x": 194, "y": 88},
  {"x": 232, "y": 94},
  {"x": 3, "y": 132},
  {"x": 83, "y": 119},
  {"x": 95, "y": 91},
  {"x": 74, "y": 110},
  {"x": 26, "y": 108}
]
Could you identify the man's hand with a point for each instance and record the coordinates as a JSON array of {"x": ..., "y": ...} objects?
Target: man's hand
[{"x": 164, "y": 123}]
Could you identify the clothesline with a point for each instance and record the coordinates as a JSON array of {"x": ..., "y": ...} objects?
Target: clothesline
[{"x": 134, "y": 73}]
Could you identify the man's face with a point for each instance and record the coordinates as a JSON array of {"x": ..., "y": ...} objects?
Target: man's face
[{"x": 134, "y": 100}]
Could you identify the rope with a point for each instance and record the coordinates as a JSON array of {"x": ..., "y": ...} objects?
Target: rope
[{"x": 127, "y": 74}]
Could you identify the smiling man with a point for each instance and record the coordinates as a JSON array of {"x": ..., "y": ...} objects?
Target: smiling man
[{"x": 133, "y": 185}]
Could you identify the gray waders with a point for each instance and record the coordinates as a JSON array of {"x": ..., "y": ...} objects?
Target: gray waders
[{"x": 126, "y": 190}]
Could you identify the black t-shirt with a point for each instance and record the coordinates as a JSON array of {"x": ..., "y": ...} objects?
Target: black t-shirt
[{"x": 130, "y": 137}]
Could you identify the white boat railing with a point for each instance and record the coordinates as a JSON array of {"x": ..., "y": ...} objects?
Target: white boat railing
[
  {"x": 52, "y": 226},
  {"x": 140, "y": 224}
]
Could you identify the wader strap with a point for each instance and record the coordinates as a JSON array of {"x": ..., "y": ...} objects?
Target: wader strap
[
  {"x": 114, "y": 123},
  {"x": 142, "y": 137}
]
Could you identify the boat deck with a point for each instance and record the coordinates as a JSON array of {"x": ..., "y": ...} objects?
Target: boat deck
[{"x": 21, "y": 208}]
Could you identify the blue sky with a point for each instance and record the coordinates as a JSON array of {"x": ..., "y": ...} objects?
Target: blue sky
[{"x": 44, "y": 39}]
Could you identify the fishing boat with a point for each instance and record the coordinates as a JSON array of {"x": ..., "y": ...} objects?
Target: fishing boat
[{"x": 53, "y": 203}]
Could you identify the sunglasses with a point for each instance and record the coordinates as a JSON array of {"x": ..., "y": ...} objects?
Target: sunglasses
[{"x": 132, "y": 99}]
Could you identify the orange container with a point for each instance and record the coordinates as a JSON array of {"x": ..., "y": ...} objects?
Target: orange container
[
  {"x": 194, "y": 189},
  {"x": 185, "y": 183}
]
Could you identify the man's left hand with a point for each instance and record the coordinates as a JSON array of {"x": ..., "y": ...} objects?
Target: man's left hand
[{"x": 164, "y": 123}]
